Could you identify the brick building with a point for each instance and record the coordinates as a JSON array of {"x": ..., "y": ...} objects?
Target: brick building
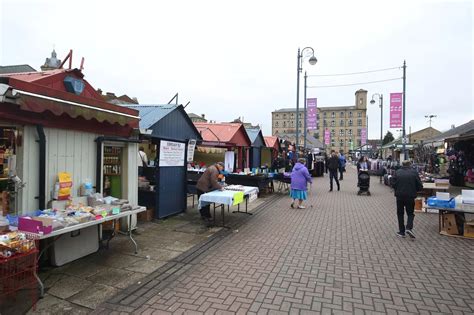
[{"x": 345, "y": 123}]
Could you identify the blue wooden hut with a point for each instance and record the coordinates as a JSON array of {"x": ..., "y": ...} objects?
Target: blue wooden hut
[
  {"x": 257, "y": 143},
  {"x": 172, "y": 131}
]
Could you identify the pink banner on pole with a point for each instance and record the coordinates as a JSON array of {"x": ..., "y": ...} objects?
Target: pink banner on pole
[
  {"x": 311, "y": 114},
  {"x": 327, "y": 136},
  {"x": 363, "y": 136},
  {"x": 396, "y": 110}
]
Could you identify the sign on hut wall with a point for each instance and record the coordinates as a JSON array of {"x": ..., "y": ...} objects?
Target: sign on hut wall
[{"x": 172, "y": 153}]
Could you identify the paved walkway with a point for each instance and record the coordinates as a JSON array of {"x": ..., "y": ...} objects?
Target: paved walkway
[{"x": 339, "y": 256}]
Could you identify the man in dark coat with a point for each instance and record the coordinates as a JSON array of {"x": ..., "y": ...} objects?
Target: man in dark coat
[
  {"x": 406, "y": 183},
  {"x": 206, "y": 183},
  {"x": 333, "y": 166}
]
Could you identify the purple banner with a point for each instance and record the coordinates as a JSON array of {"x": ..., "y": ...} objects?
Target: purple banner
[
  {"x": 327, "y": 136},
  {"x": 396, "y": 110},
  {"x": 311, "y": 114},
  {"x": 363, "y": 136}
]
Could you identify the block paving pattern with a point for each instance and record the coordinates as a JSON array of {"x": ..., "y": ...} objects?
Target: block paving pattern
[{"x": 340, "y": 256}]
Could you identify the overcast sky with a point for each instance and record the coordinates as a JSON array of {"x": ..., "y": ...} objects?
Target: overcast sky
[{"x": 232, "y": 59}]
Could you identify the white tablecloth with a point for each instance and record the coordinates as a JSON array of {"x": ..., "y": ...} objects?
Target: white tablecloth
[{"x": 225, "y": 197}]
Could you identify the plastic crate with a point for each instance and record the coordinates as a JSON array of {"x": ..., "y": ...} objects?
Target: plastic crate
[{"x": 434, "y": 202}]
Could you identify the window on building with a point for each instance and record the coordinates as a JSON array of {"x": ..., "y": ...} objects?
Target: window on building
[
  {"x": 333, "y": 114},
  {"x": 324, "y": 123},
  {"x": 350, "y": 132},
  {"x": 360, "y": 101},
  {"x": 359, "y": 114},
  {"x": 317, "y": 116},
  {"x": 342, "y": 123},
  {"x": 342, "y": 114},
  {"x": 284, "y": 124},
  {"x": 359, "y": 143},
  {"x": 276, "y": 124},
  {"x": 341, "y": 133},
  {"x": 341, "y": 143},
  {"x": 276, "y": 115},
  {"x": 333, "y": 123},
  {"x": 324, "y": 114},
  {"x": 299, "y": 123},
  {"x": 284, "y": 116},
  {"x": 333, "y": 143},
  {"x": 350, "y": 122},
  {"x": 359, "y": 132},
  {"x": 333, "y": 133},
  {"x": 350, "y": 114},
  {"x": 359, "y": 122}
]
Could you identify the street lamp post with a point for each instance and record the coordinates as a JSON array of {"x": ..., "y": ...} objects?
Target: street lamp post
[
  {"x": 404, "y": 112},
  {"x": 380, "y": 96},
  {"x": 312, "y": 61},
  {"x": 430, "y": 118}
]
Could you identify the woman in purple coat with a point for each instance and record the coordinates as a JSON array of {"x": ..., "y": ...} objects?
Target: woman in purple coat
[{"x": 299, "y": 179}]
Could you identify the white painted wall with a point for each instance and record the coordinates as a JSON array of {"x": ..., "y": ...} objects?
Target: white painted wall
[{"x": 68, "y": 151}]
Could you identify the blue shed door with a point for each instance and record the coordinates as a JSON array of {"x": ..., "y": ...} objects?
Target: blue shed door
[
  {"x": 171, "y": 190},
  {"x": 255, "y": 158}
]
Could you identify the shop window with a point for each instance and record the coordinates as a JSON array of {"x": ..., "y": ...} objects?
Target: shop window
[
  {"x": 350, "y": 122},
  {"x": 359, "y": 122}
]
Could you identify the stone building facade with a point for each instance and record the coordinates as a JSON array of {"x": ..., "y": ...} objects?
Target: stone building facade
[{"x": 345, "y": 123}]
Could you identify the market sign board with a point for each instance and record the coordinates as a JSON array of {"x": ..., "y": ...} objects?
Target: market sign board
[
  {"x": 191, "y": 148},
  {"x": 172, "y": 153},
  {"x": 396, "y": 110},
  {"x": 311, "y": 114}
]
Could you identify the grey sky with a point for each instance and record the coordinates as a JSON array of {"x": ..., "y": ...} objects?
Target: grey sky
[{"x": 239, "y": 59}]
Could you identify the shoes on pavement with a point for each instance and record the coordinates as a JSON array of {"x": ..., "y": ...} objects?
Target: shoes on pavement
[
  {"x": 410, "y": 233},
  {"x": 292, "y": 205},
  {"x": 402, "y": 235},
  {"x": 338, "y": 188},
  {"x": 330, "y": 190},
  {"x": 301, "y": 207}
]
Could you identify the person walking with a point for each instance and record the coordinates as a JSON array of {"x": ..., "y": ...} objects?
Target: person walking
[
  {"x": 206, "y": 183},
  {"x": 333, "y": 166},
  {"x": 342, "y": 165},
  {"x": 299, "y": 179},
  {"x": 406, "y": 183},
  {"x": 362, "y": 164}
]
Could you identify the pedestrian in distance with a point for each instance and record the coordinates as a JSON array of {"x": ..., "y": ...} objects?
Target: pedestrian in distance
[
  {"x": 342, "y": 165},
  {"x": 333, "y": 166},
  {"x": 299, "y": 183},
  {"x": 206, "y": 183},
  {"x": 362, "y": 164},
  {"x": 406, "y": 183}
]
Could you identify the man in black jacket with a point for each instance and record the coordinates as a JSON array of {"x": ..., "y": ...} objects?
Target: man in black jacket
[
  {"x": 333, "y": 166},
  {"x": 406, "y": 183}
]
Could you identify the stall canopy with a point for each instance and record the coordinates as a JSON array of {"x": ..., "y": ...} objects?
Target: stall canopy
[
  {"x": 458, "y": 133},
  {"x": 44, "y": 97},
  {"x": 169, "y": 124},
  {"x": 257, "y": 142},
  {"x": 226, "y": 135}
]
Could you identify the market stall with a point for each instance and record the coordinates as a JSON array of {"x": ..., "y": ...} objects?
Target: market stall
[
  {"x": 272, "y": 150},
  {"x": 62, "y": 142},
  {"x": 257, "y": 145},
  {"x": 169, "y": 138}
]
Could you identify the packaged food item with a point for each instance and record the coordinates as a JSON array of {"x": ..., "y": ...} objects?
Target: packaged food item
[{"x": 65, "y": 184}]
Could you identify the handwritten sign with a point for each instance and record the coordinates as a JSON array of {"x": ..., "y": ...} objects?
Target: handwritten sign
[{"x": 172, "y": 153}]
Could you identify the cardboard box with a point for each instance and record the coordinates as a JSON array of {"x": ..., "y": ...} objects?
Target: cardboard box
[
  {"x": 469, "y": 229},
  {"x": 147, "y": 215},
  {"x": 449, "y": 224}
]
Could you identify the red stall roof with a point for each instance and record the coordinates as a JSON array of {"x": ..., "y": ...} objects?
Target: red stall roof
[
  {"x": 223, "y": 134},
  {"x": 271, "y": 142},
  {"x": 45, "y": 93}
]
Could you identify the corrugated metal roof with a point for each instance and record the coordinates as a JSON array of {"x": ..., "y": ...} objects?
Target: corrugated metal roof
[
  {"x": 16, "y": 69},
  {"x": 467, "y": 127},
  {"x": 252, "y": 133},
  {"x": 222, "y": 132},
  {"x": 151, "y": 114}
]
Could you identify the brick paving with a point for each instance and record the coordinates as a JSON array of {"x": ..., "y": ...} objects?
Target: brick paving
[{"x": 339, "y": 256}]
